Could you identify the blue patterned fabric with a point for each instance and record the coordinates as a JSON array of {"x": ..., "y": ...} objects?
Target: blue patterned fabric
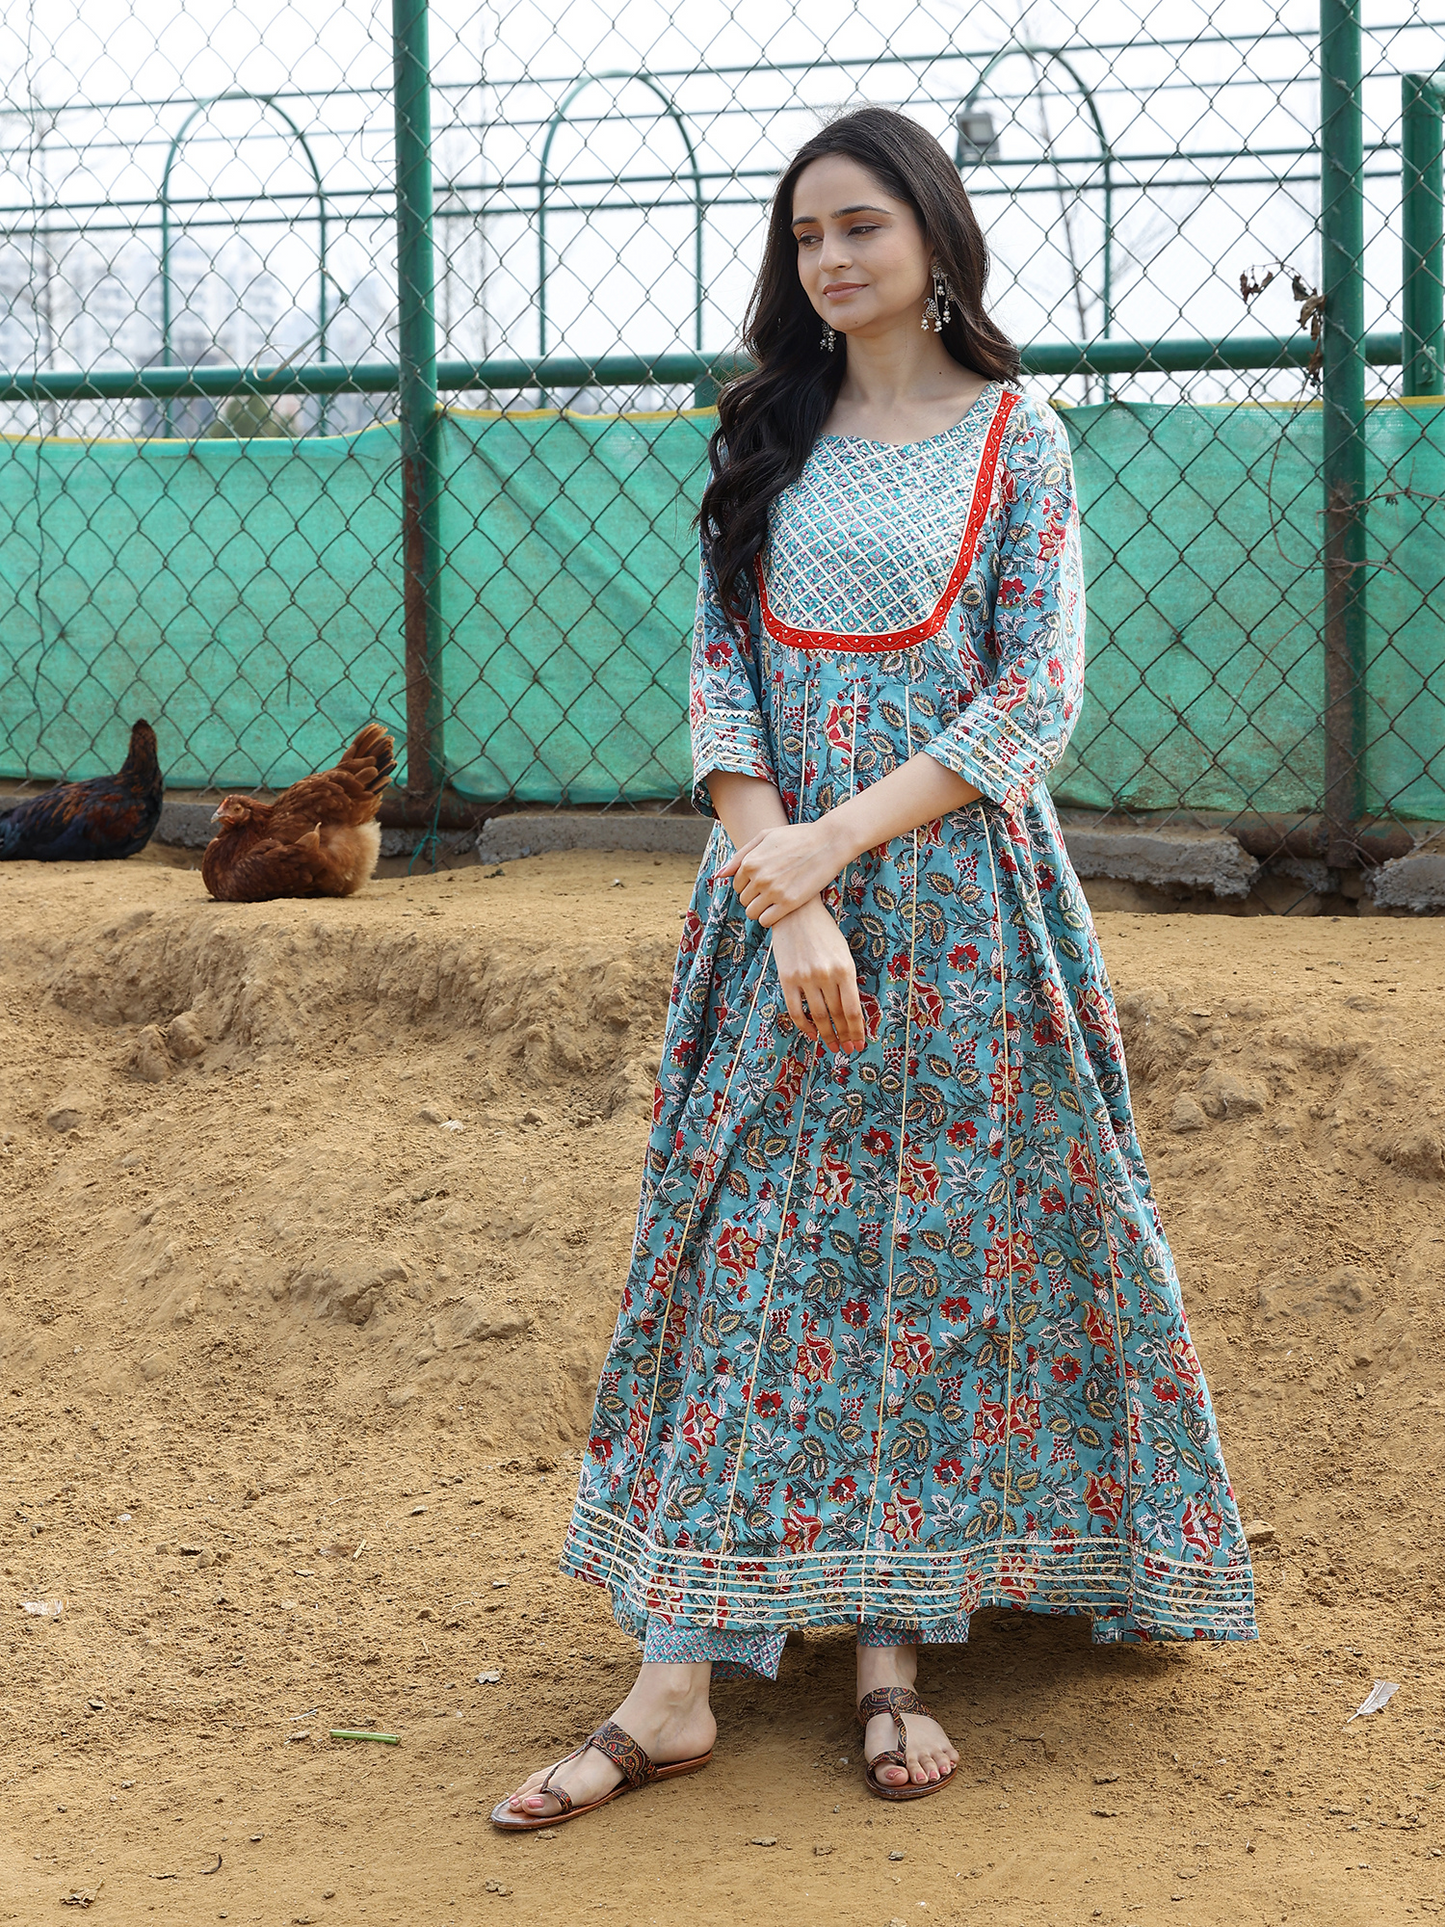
[
  {"x": 735, "y": 1655},
  {"x": 902, "y": 1335}
]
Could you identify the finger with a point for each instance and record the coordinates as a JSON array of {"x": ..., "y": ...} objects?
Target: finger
[
  {"x": 793, "y": 994},
  {"x": 823, "y": 1002},
  {"x": 852, "y": 1010},
  {"x": 743, "y": 850}
]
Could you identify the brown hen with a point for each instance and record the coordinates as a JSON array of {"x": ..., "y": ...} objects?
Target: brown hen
[{"x": 318, "y": 839}]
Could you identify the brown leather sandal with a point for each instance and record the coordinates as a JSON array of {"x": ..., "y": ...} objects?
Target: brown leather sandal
[
  {"x": 624, "y": 1752},
  {"x": 896, "y": 1700}
]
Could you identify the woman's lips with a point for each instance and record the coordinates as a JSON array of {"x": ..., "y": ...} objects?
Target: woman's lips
[{"x": 836, "y": 288}]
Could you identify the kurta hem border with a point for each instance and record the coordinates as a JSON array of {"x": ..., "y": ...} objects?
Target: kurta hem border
[{"x": 1131, "y": 1593}]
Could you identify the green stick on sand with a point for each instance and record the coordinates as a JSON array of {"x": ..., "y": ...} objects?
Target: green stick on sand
[{"x": 349, "y": 1733}]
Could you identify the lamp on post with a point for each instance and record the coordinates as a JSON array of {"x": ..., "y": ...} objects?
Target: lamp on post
[{"x": 977, "y": 140}]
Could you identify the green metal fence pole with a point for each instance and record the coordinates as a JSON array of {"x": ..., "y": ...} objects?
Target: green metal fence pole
[
  {"x": 1422, "y": 209},
  {"x": 417, "y": 392},
  {"x": 1342, "y": 245}
]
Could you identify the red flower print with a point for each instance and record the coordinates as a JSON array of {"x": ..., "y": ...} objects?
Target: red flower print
[
  {"x": 765, "y": 1404},
  {"x": 1080, "y": 1169},
  {"x": 912, "y": 1353},
  {"x": 1053, "y": 1201},
  {"x": 1166, "y": 1389},
  {"x": 965, "y": 1131},
  {"x": 834, "y": 1183},
  {"x": 855, "y": 1311},
  {"x": 800, "y": 1530},
  {"x": 927, "y": 1005},
  {"x": 877, "y": 1143},
  {"x": 1202, "y": 1526},
  {"x": 948, "y": 1472},
  {"x": 1104, "y": 1496},
  {"x": 1099, "y": 1326},
  {"x": 988, "y": 1422},
  {"x": 1017, "y": 1581},
  {"x": 1010, "y": 690},
  {"x": 955, "y": 1310},
  {"x": 736, "y": 1251},
  {"x": 1004, "y": 1084},
  {"x": 815, "y": 1358},
  {"x": 843, "y": 1490},
  {"x": 1182, "y": 1358},
  {"x": 902, "y": 1518},
  {"x": 1023, "y": 1417},
  {"x": 898, "y": 964},
  {"x": 1065, "y": 1370},
  {"x": 919, "y": 1178},
  {"x": 699, "y": 1426},
  {"x": 838, "y": 727},
  {"x": 600, "y": 1449},
  {"x": 963, "y": 953}
]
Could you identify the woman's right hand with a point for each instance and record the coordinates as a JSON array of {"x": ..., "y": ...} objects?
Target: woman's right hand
[{"x": 815, "y": 968}]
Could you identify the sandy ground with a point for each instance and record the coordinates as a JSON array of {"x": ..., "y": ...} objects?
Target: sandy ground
[{"x": 315, "y": 1217}]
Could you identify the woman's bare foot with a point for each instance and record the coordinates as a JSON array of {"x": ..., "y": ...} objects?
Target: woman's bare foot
[
  {"x": 666, "y": 1712},
  {"x": 931, "y": 1754}
]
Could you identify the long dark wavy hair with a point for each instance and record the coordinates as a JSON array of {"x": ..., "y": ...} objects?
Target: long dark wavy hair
[{"x": 769, "y": 419}]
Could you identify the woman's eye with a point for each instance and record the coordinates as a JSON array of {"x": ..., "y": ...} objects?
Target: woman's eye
[{"x": 864, "y": 227}]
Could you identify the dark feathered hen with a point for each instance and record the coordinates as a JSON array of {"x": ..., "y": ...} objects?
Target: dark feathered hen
[
  {"x": 318, "y": 839},
  {"x": 109, "y": 816}
]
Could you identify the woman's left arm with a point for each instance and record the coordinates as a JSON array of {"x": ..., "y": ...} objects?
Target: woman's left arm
[
  {"x": 787, "y": 866},
  {"x": 1013, "y": 732}
]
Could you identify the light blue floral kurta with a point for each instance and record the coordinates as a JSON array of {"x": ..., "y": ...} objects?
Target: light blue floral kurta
[{"x": 902, "y": 1336}]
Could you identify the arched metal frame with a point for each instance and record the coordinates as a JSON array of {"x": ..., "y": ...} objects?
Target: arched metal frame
[
  {"x": 177, "y": 140},
  {"x": 674, "y": 114},
  {"x": 1056, "y": 55}
]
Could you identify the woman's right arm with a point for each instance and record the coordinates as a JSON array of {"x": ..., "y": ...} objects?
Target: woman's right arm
[
  {"x": 734, "y": 779},
  {"x": 815, "y": 965}
]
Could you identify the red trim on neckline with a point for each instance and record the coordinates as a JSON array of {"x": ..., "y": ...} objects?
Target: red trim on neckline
[{"x": 874, "y": 645}]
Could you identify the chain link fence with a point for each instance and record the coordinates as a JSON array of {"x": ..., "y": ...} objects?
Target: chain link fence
[{"x": 360, "y": 367}]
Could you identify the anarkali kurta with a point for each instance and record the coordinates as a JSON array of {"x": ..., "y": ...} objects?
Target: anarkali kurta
[{"x": 902, "y": 1336}]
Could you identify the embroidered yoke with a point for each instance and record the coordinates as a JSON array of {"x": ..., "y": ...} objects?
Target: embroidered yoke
[{"x": 902, "y": 1335}]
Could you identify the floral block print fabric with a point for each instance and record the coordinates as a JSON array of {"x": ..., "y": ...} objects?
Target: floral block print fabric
[{"x": 902, "y": 1336}]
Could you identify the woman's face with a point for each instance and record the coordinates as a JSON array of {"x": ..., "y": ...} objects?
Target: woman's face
[{"x": 862, "y": 257}]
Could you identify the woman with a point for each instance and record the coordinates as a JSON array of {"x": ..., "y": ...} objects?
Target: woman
[{"x": 902, "y": 1335}]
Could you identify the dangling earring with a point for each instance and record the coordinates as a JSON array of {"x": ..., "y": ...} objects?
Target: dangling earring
[
  {"x": 829, "y": 340},
  {"x": 940, "y": 297}
]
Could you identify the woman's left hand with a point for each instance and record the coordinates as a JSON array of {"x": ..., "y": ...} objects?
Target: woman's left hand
[{"x": 778, "y": 872}]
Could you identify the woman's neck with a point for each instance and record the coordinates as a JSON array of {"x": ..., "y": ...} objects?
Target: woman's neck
[{"x": 901, "y": 384}]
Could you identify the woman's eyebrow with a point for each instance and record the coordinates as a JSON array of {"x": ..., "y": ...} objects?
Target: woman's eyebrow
[{"x": 859, "y": 207}]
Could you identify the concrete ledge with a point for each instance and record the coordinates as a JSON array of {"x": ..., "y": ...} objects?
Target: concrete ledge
[
  {"x": 188, "y": 824},
  {"x": 1202, "y": 859},
  {"x": 1197, "y": 859},
  {"x": 541, "y": 832},
  {"x": 1410, "y": 882}
]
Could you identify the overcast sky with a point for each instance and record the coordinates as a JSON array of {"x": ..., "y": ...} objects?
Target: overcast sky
[{"x": 107, "y": 83}]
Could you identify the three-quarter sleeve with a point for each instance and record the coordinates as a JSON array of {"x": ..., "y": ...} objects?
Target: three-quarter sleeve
[
  {"x": 1008, "y": 738},
  {"x": 728, "y": 730}
]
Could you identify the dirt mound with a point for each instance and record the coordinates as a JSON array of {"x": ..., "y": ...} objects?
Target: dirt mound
[
  {"x": 316, "y": 1218},
  {"x": 346, "y": 1112}
]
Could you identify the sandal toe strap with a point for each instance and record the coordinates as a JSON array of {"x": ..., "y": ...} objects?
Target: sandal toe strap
[
  {"x": 564, "y": 1800},
  {"x": 624, "y": 1752},
  {"x": 891, "y": 1699}
]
